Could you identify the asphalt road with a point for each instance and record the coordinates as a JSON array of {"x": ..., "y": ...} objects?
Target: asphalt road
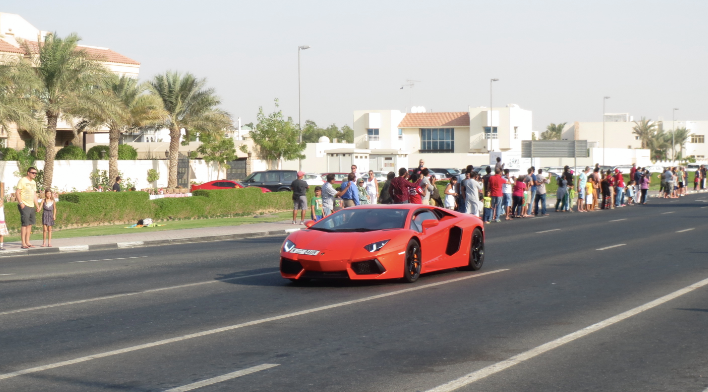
[{"x": 611, "y": 301}]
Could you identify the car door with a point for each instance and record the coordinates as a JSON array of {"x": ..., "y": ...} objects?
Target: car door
[
  {"x": 433, "y": 240},
  {"x": 272, "y": 180},
  {"x": 255, "y": 179},
  {"x": 288, "y": 178}
]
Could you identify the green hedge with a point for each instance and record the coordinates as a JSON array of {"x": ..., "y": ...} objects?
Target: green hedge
[
  {"x": 71, "y": 153},
  {"x": 125, "y": 153},
  {"x": 99, "y": 208}
]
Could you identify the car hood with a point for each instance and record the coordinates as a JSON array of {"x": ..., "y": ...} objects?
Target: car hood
[{"x": 321, "y": 240}]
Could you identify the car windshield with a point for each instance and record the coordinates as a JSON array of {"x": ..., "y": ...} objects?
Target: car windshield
[{"x": 365, "y": 219}]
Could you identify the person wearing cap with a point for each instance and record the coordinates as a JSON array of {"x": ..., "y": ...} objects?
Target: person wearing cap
[
  {"x": 299, "y": 188},
  {"x": 619, "y": 186}
]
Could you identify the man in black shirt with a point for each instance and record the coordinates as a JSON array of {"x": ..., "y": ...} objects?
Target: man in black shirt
[
  {"x": 299, "y": 188},
  {"x": 116, "y": 185}
]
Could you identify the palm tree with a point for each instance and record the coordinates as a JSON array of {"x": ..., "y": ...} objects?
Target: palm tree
[
  {"x": 553, "y": 131},
  {"x": 65, "y": 77},
  {"x": 681, "y": 136},
  {"x": 659, "y": 143},
  {"x": 138, "y": 109},
  {"x": 189, "y": 105},
  {"x": 645, "y": 129},
  {"x": 16, "y": 104}
]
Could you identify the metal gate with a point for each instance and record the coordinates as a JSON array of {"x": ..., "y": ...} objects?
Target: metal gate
[
  {"x": 183, "y": 172},
  {"x": 237, "y": 170}
]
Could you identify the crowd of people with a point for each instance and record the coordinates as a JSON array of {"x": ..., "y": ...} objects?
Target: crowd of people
[{"x": 494, "y": 193}]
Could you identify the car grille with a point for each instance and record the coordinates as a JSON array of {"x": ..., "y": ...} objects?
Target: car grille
[
  {"x": 326, "y": 275},
  {"x": 290, "y": 267},
  {"x": 368, "y": 267}
]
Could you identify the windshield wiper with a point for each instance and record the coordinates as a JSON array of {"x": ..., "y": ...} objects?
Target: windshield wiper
[
  {"x": 357, "y": 230},
  {"x": 322, "y": 229}
]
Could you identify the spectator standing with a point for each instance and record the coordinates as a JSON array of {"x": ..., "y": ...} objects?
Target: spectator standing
[
  {"x": 435, "y": 199},
  {"x": 26, "y": 195},
  {"x": 356, "y": 175},
  {"x": 299, "y": 187},
  {"x": 415, "y": 192},
  {"x": 619, "y": 186},
  {"x": 116, "y": 185},
  {"x": 351, "y": 192},
  {"x": 590, "y": 193},
  {"x": 517, "y": 195},
  {"x": 472, "y": 188},
  {"x": 399, "y": 189},
  {"x": 372, "y": 187},
  {"x": 541, "y": 182},
  {"x": 703, "y": 177},
  {"x": 425, "y": 185},
  {"x": 561, "y": 193},
  {"x": 363, "y": 195},
  {"x": 3, "y": 225},
  {"x": 316, "y": 207},
  {"x": 495, "y": 192},
  {"x": 696, "y": 179},
  {"x": 681, "y": 181},
  {"x": 451, "y": 194},
  {"x": 637, "y": 183},
  {"x": 644, "y": 185},
  {"x": 49, "y": 215},
  {"x": 385, "y": 197},
  {"x": 597, "y": 179},
  {"x": 499, "y": 166},
  {"x": 630, "y": 193},
  {"x": 506, "y": 193},
  {"x": 461, "y": 202},
  {"x": 531, "y": 185},
  {"x": 582, "y": 184},
  {"x": 568, "y": 176},
  {"x": 667, "y": 181},
  {"x": 329, "y": 194},
  {"x": 632, "y": 171}
]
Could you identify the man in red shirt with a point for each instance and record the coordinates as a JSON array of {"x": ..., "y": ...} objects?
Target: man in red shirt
[
  {"x": 619, "y": 184},
  {"x": 495, "y": 192},
  {"x": 399, "y": 188}
]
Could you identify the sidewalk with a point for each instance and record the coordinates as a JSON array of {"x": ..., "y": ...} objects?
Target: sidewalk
[{"x": 128, "y": 240}]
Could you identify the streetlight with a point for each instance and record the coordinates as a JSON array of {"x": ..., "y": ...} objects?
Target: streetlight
[
  {"x": 603, "y": 129},
  {"x": 673, "y": 129},
  {"x": 299, "y": 111},
  {"x": 491, "y": 116}
]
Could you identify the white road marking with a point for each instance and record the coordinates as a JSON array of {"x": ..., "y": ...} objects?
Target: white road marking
[
  {"x": 130, "y": 294},
  {"x": 225, "y": 377},
  {"x": 546, "y": 231},
  {"x": 6, "y": 274},
  {"x": 117, "y": 258},
  {"x": 516, "y": 359},
  {"x": 233, "y": 327},
  {"x": 685, "y": 230},
  {"x": 130, "y": 244},
  {"x": 610, "y": 247},
  {"x": 669, "y": 212},
  {"x": 617, "y": 220},
  {"x": 75, "y": 248}
]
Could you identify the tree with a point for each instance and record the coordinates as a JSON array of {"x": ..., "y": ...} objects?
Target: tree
[
  {"x": 347, "y": 134},
  {"x": 189, "y": 105},
  {"x": 138, "y": 109},
  {"x": 64, "y": 79},
  {"x": 276, "y": 137},
  {"x": 658, "y": 144},
  {"x": 218, "y": 150},
  {"x": 645, "y": 129},
  {"x": 553, "y": 131},
  {"x": 16, "y": 103},
  {"x": 681, "y": 136},
  {"x": 311, "y": 133}
]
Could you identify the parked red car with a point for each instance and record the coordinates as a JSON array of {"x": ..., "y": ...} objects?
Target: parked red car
[{"x": 223, "y": 184}]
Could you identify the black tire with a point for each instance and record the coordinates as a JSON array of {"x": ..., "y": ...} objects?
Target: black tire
[
  {"x": 476, "y": 251},
  {"x": 412, "y": 262}
]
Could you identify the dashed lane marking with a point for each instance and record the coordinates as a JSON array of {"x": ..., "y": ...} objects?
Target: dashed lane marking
[
  {"x": 236, "y": 326},
  {"x": 685, "y": 230},
  {"x": 130, "y": 294},
  {"x": 225, "y": 377},
  {"x": 6, "y": 274},
  {"x": 117, "y": 258},
  {"x": 503, "y": 365},
  {"x": 617, "y": 220},
  {"x": 547, "y": 231},
  {"x": 610, "y": 247},
  {"x": 668, "y": 212}
]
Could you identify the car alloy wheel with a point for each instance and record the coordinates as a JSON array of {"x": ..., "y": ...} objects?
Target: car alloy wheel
[
  {"x": 476, "y": 250},
  {"x": 413, "y": 263}
]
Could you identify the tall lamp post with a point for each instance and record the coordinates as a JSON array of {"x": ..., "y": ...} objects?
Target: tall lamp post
[
  {"x": 491, "y": 114},
  {"x": 299, "y": 111},
  {"x": 673, "y": 129},
  {"x": 603, "y": 129}
]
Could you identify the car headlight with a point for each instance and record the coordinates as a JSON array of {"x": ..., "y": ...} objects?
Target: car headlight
[
  {"x": 288, "y": 246},
  {"x": 376, "y": 246}
]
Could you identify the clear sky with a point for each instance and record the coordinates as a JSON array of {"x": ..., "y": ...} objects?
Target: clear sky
[{"x": 556, "y": 58}]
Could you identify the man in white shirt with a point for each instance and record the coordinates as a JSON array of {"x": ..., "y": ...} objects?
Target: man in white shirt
[
  {"x": 541, "y": 182},
  {"x": 472, "y": 188}
]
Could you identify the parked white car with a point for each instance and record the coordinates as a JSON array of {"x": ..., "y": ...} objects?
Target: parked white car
[
  {"x": 313, "y": 179},
  {"x": 379, "y": 175}
]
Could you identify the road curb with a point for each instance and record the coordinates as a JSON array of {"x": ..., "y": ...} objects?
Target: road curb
[{"x": 140, "y": 244}]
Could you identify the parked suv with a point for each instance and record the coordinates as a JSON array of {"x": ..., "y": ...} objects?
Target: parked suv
[
  {"x": 273, "y": 180},
  {"x": 445, "y": 172}
]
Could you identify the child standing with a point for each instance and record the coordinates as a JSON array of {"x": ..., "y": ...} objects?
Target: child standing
[
  {"x": 3, "y": 226},
  {"x": 630, "y": 193},
  {"x": 316, "y": 204},
  {"x": 590, "y": 194},
  {"x": 49, "y": 215}
]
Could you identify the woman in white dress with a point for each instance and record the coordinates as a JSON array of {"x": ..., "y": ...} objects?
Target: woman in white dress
[{"x": 372, "y": 187}]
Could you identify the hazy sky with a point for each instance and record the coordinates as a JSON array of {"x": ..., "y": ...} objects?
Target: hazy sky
[{"x": 556, "y": 58}]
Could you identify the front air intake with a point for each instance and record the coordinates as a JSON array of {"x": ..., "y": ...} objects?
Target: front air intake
[
  {"x": 368, "y": 267},
  {"x": 290, "y": 267}
]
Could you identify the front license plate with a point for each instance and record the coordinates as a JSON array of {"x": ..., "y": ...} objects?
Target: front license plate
[{"x": 307, "y": 252}]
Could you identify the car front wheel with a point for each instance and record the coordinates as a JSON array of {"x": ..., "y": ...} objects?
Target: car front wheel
[
  {"x": 476, "y": 250},
  {"x": 412, "y": 264}
]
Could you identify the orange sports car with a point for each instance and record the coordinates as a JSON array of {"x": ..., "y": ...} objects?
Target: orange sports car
[{"x": 399, "y": 241}]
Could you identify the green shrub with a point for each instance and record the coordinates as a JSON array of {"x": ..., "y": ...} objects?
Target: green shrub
[
  {"x": 127, "y": 153},
  {"x": 73, "y": 153},
  {"x": 8, "y": 154},
  {"x": 94, "y": 153}
]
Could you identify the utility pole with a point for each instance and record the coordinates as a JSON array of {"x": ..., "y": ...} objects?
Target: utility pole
[
  {"x": 299, "y": 110},
  {"x": 491, "y": 114},
  {"x": 603, "y": 129},
  {"x": 673, "y": 129}
]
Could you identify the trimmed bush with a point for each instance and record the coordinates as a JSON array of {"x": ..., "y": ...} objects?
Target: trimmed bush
[
  {"x": 70, "y": 153},
  {"x": 8, "y": 154},
  {"x": 127, "y": 153},
  {"x": 94, "y": 153}
]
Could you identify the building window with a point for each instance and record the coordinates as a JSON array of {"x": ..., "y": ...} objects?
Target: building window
[
  {"x": 437, "y": 140},
  {"x": 400, "y": 134},
  {"x": 491, "y": 133},
  {"x": 698, "y": 139},
  {"x": 698, "y": 157},
  {"x": 373, "y": 134},
  {"x": 516, "y": 132}
]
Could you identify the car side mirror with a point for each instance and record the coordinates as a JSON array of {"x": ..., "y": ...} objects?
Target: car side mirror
[
  {"x": 429, "y": 223},
  {"x": 309, "y": 224}
]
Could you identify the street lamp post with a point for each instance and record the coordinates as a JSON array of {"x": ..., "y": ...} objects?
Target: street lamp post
[
  {"x": 491, "y": 114},
  {"x": 673, "y": 129},
  {"x": 299, "y": 110},
  {"x": 603, "y": 129}
]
